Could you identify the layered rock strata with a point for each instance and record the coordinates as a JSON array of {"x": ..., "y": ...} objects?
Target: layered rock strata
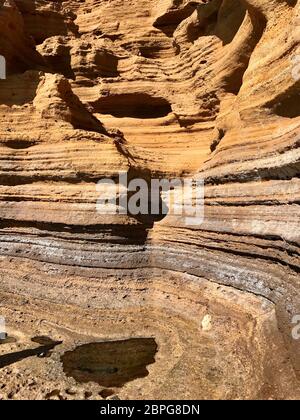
[{"x": 155, "y": 89}]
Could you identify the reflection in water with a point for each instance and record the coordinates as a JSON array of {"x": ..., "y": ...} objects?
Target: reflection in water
[{"x": 110, "y": 363}]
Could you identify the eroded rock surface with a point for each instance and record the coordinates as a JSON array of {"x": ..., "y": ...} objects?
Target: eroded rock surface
[{"x": 158, "y": 88}]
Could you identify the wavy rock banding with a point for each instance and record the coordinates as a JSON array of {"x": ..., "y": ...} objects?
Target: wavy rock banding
[{"x": 159, "y": 89}]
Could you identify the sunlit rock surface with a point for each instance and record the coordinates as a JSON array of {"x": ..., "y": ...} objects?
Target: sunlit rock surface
[{"x": 156, "y": 88}]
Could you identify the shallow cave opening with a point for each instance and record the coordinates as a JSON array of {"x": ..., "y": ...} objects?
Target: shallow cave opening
[
  {"x": 61, "y": 63},
  {"x": 110, "y": 363},
  {"x": 19, "y": 144},
  {"x": 19, "y": 90},
  {"x": 222, "y": 18},
  {"x": 154, "y": 51},
  {"x": 139, "y": 105},
  {"x": 234, "y": 81},
  {"x": 106, "y": 64}
]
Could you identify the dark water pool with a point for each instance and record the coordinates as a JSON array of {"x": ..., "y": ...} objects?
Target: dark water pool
[{"x": 110, "y": 363}]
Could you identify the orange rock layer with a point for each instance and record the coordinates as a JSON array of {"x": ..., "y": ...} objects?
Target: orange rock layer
[{"x": 163, "y": 88}]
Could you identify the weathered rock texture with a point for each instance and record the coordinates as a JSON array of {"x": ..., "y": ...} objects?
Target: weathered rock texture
[{"x": 158, "y": 88}]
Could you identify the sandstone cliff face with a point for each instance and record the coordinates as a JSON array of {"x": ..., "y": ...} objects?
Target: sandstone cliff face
[{"x": 156, "y": 88}]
